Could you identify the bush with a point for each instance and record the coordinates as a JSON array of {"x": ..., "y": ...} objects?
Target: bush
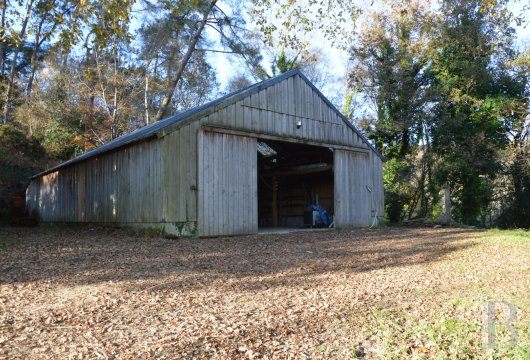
[
  {"x": 59, "y": 142},
  {"x": 20, "y": 157}
]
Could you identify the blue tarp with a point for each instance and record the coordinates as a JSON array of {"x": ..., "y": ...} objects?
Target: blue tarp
[{"x": 324, "y": 216}]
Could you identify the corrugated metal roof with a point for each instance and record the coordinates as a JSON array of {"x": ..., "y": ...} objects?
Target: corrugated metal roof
[
  {"x": 265, "y": 150},
  {"x": 153, "y": 129}
]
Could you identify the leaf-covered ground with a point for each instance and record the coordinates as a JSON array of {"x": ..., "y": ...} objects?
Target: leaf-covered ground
[{"x": 385, "y": 293}]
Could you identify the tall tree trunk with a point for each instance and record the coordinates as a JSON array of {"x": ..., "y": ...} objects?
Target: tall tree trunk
[
  {"x": 155, "y": 70},
  {"x": 115, "y": 124},
  {"x": 110, "y": 114},
  {"x": 36, "y": 48},
  {"x": 180, "y": 70},
  {"x": 447, "y": 203},
  {"x": 90, "y": 61},
  {"x": 2, "y": 40},
  {"x": 9, "y": 88},
  {"x": 39, "y": 40},
  {"x": 146, "y": 93}
]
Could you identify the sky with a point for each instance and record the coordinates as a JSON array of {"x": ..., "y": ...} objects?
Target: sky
[{"x": 523, "y": 8}]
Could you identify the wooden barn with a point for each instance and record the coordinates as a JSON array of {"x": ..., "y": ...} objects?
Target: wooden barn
[{"x": 251, "y": 160}]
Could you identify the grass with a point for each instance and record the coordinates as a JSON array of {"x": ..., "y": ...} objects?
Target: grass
[
  {"x": 519, "y": 236},
  {"x": 445, "y": 338},
  {"x": 454, "y": 331}
]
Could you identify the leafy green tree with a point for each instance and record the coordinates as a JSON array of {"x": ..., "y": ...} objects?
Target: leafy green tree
[
  {"x": 19, "y": 38},
  {"x": 468, "y": 127},
  {"x": 513, "y": 189},
  {"x": 388, "y": 67},
  {"x": 450, "y": 103},
  {"x": 282, "y": 65},
  {"x": 53, "y": 117},
  {"x": 293, "y": 25}
]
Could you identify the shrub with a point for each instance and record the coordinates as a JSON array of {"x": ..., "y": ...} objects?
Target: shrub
[{"x": 20, "y": 157}]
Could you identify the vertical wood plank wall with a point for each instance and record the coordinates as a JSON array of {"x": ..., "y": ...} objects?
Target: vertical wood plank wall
[
  {"x": 122, "y": 186},
  {"x": 228, "y": 202},
  {"x": 353, "y": 200},
  {"x": 180, "y": 184},
  {"x": 277, "y": 109}
]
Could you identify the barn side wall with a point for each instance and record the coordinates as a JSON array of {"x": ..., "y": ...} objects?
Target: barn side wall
[{"x": 140, "y": 185}]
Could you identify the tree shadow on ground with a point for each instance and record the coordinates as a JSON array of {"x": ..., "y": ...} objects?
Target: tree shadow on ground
[{"x": 84, "y": 256}]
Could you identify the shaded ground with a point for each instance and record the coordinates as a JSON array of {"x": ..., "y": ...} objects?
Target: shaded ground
[{"x": 387, "y": 293}]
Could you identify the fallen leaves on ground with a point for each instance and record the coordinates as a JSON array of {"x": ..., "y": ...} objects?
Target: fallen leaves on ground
[{"x": 395, "y": 292}]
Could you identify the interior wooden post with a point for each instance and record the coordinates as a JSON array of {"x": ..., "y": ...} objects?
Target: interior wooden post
[{"x": 274, "y": 201}]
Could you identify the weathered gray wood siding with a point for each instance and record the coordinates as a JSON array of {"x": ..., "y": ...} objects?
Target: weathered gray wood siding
[
  {"x": 180, "y": 181},
  {"x": 353, "y": 201},
  {"x": 228, "y": 203},
  {"x": 119, "y": 187},
  {"x": 378, "y": 191},
  {"x": 276, "y": 111}
]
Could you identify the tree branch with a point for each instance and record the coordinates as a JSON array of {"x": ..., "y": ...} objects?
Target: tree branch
[{"x": 191, "y": 48}]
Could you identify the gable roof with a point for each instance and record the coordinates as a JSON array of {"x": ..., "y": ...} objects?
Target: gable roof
[{"x": 161, "y": 127}]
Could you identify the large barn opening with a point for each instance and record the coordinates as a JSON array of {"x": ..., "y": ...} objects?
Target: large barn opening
[{"x": 295, "y": 185}]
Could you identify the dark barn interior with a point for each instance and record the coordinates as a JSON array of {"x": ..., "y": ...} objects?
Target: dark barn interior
[{"x": 292, "y": 176}]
